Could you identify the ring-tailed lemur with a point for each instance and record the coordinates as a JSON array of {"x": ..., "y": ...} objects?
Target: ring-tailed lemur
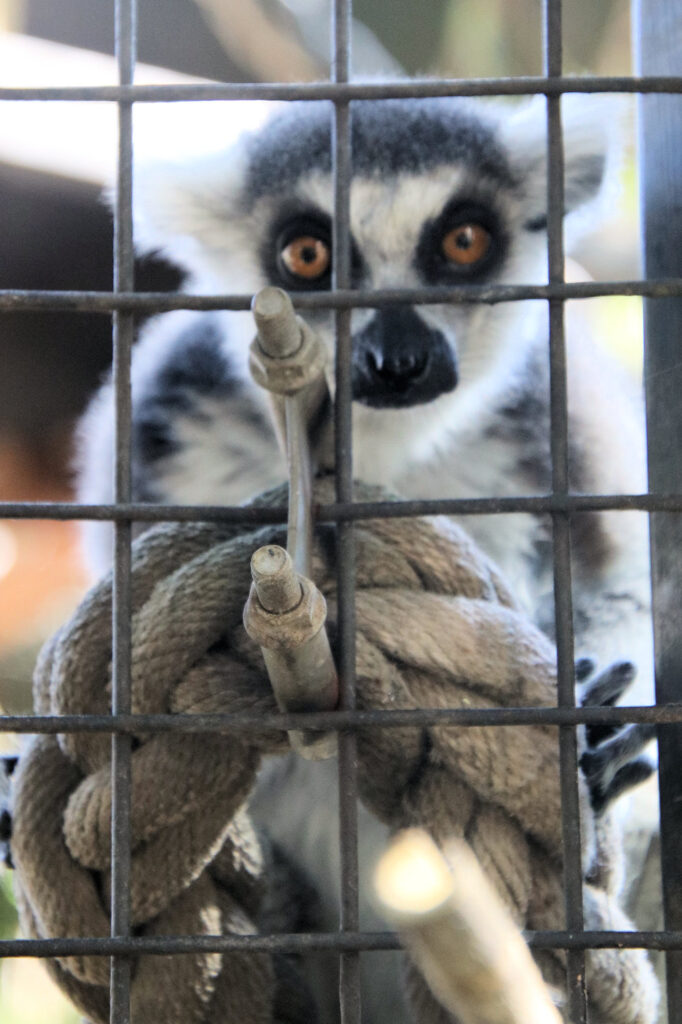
[{"x": 450, "y": 400}]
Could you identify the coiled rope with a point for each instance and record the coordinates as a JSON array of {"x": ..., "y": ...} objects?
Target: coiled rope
[{"x": 437, "y": 628}]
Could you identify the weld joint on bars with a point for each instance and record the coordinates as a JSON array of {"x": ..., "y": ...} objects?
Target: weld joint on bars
[{"x": 525, "y": 85}]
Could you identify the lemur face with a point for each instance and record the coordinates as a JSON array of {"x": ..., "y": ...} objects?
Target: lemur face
[
  {"x": 444, "y": 192},
  {"x": 434, "y": 201},
  {"x": 406, "y": 231}
]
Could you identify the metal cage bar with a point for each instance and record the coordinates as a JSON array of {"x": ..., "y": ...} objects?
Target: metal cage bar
[
  {"x": 345, "y": 511},
  {"x": 246, "y": 724},
  {"x": 312, "y": 942},
  {"x": 523, "y": 85},
  {"x": 664, "y": 284},
  {"x": 349, "y": 962},
  {"x": 18, "y": 300},
  {"x": 561, "y": 541},
  {"x": 123, "y": 328},
  {"x": 657, "y": 39}
]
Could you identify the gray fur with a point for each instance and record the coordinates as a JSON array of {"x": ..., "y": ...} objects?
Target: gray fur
[{"x": 394, "y": 137}]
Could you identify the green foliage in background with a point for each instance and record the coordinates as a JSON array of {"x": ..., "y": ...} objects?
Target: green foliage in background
[{"x": 8, "y": 913}]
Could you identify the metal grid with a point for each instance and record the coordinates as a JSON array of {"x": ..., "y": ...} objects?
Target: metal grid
[{"x": 123, "y": 303}]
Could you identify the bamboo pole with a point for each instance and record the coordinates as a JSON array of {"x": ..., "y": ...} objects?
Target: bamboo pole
[{"x": 459, "y": 934}]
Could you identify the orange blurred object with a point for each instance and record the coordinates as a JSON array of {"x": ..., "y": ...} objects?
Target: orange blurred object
[{"x": 41, "y": 577}]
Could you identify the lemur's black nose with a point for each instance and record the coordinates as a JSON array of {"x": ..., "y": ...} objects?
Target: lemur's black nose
[
  {"x": 400, "y": 370},
  {"x": 398, "y": 361}
]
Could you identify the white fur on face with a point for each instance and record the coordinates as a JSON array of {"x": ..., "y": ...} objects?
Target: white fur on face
[{"x": 387, "y": 217}]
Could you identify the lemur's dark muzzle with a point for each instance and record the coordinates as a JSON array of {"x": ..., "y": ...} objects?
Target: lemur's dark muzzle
[{"x": 398, "y": 361}]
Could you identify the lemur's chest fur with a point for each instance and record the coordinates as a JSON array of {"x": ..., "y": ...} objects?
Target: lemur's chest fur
[{"x": 201, "y": 435}]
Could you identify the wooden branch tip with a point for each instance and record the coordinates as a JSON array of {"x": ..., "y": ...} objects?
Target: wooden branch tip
[
  {"x": 412, "y": 879},
  {"x": 459, "y": 934}
]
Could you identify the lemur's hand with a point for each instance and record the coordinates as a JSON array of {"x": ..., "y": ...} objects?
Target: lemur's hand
[
  {"x": 612, "y": 762},
  {"x": 7, "y": 766}
]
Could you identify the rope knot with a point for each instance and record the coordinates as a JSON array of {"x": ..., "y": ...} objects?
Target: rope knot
[{"x": 437, "y": 628}]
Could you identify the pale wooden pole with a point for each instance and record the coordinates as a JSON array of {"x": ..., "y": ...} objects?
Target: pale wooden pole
[{"x": 460, "y": 936}]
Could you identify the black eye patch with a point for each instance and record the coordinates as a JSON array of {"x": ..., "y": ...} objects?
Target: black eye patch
[
  {"x": 433, "y": 255},
  {"x": 287, "y": 230}
]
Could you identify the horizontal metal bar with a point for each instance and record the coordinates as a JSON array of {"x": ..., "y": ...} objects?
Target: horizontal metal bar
[
  {"x": 256, "y": 514},
  {"x": 19, "y": 300},
  {"x": 533, "y": 504},
  {"x": 339, "y": 720},
  {"x": 343, "y": 92},
  {"x": 310, "y": 942},
  {"x": 174, "y": 944},
  {"x": 248, "y": 515}
]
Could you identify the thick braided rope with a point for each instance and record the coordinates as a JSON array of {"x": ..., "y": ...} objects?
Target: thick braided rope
[{"x": 436, "y": 628}]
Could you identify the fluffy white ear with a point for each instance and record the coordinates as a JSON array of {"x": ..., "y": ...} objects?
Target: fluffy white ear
[
  {"x": 592, "y": 133},
  {"x": 182, "y": 206}
]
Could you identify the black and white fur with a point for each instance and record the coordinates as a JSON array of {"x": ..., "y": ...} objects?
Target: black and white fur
[{"x": 478, "y": 427}]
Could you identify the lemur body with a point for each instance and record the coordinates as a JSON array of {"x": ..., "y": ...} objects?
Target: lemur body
[{"x": 451, "y": 400}]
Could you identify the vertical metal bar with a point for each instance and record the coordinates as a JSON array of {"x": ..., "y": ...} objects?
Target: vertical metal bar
[
  {"x": 658, "y": 49},
  {"x": 125, "y": 14},
  {"x": 568, "y": 751},
  {"x": 349, "y": 964}
]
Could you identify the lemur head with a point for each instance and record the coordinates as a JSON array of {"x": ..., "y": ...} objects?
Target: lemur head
[{"x": 444, "y": 192}]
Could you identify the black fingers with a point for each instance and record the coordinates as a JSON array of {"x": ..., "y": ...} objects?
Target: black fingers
[
  {"x": 584, "y": 668},
  {"x": 611, "y": 762},
  {"x": 603, "y": 764},
  {"x": 604, "y": 691},
  {"x": 5, "y": 837},
  {"x": 626, "y": 778},
  {"x": 7, "y": 766},
  {"x": 606, "y": 687}
]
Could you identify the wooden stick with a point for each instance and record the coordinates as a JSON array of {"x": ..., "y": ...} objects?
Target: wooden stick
[
  {"x": 250, "y": 37},
  {"x": 459, "y": 934}
]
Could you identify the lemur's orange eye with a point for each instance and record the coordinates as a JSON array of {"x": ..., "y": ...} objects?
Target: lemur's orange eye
[
  {"x": 306, "y": 257},
  {"x": 466, "y": 244}
]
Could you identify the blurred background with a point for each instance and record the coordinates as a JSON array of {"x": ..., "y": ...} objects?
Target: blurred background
[{"x": 56, "y": 233}]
